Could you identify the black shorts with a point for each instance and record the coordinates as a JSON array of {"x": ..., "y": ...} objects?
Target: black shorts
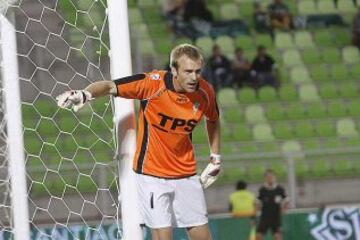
[{"x": 265, "y": 224}]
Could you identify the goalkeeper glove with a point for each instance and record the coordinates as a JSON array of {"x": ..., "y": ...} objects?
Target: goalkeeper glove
[
  {"x": 74, "y": 99},
  {"x": 211, "y": 172}
]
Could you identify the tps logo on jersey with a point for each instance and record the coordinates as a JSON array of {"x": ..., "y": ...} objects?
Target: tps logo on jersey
[
  {"x": 336, "y": 224},
  {"x": 155, "y": 76}
]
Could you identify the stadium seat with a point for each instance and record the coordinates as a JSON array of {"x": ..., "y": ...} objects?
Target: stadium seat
[
  {"x": 247, "y": 95},
  {"x": 267, "y": 94},
  {"x": 304, "y": 129},
  {"x": 326, "y": 6},
  {"x": 307, "y": 7},
  {"x": 227, "y": 97},
  {"x": 264, "y": 40},
  {"x": 355, "y": 71},
  {"x": 336, "y": 109},
  {"x": 275, "y": 111},
  {"x": 295, "y": 111},
  {"x": 255, "y": 114},
  {"x": 226, "y": 44},
  {"x": 242, "y": 132},
  {"x": 291, "y": 147},
  {"x": 263, "y": 132},
  {"x": 300, "y": 75},
  {"x": 303, "y": 39},
  {"x": 351, "y": 55},
  {"x": 346, "y": 128},
  {"x": 346, "y": 6},
  {"x": 348, "y": 90},
  {"x": 283, "y": 40},
  {"x": 328, "y": 90},
  {"x": 140, "y": 31},
  {"x": 292, "y": 57},
  {"x": 354, "y": 107},
  {"x": 233, "y": 115},
  {"x": 311, "y": 56},
  {"x": 320, "y": 73},
  {"x": 339, "y": 73},
  {"x": 316, "y": 110},
  {"x": 308, "y": 93},
  {"x": 342, "y": 36},
  {"x": 324, "y": 38},
  {"x": 283, "y": 131},
  {"x": 147, "y": 3},
  {"x": 246, "y": 8},
  {"x": 229, "y": 11},
  {"x": 147, "y": 46},
  {"x": 325, "y": 128},
  {"x": 331, "y": 55},
  {"x": 288, "y": 93},
  {"x": 205, "y": 44},
  {"x": 245, "y": 42},
  {"x": 134, "y": 16}
]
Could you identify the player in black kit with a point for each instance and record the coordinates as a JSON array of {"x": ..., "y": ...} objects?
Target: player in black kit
[{"x": 272, "y": 202}]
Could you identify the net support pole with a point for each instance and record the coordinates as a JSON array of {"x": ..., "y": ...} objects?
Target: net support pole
[
  {"x": 19, "y": 202},
  {"x": 124, "y": 121},
  {"x": 291, "y": 180}
]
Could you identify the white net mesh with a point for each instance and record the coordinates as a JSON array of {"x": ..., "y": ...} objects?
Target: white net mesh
[{"x": 71, "y": 174}]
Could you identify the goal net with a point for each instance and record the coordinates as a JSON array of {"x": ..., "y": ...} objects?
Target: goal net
[{"x": 72, "y": 183}]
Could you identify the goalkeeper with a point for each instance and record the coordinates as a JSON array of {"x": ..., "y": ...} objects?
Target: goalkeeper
[{"x": 172, "y": 104}]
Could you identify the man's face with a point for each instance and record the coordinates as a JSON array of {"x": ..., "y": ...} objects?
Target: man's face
[
  {"x": 187, "y": 74},
  {"x": 270, "y": 178}
]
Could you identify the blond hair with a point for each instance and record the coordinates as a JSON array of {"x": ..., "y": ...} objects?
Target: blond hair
[{"x": 189, "y": 50}]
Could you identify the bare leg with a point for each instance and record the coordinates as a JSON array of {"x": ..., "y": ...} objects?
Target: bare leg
[
  {"x": 278, "y": 236},
  {"x": 259, "y": 236},
  {"x": 161, "y": 233},
  {"x": 199, "y": 232}
]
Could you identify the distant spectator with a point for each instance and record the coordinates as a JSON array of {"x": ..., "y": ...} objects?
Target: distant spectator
[
  {"x": 173, "y": 11},
  {"x": 356, "y": 29},
  {"x": 263, "y": 69},
  {"x": 241, "y": 69},
  {"x": 280, "y": 16},
  {"x": 272, "y": 203},
  {"x": 197, "y": 9},
  {"x": 219, "y": 66},
  {"x": 261, "y": 18},
  {"x": 242, "y": 203}
]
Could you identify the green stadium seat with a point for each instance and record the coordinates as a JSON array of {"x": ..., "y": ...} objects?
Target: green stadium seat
[
  {"x": 233, "y": 115},
  {"x": 267, "y": 94},
  {"x": 316, "y": 110},
  {"x": 320, "y": 167},
  {"x": 146, "y": 3},
  {"x": 325, "y": 128},
  {"x": 326, "y": 6},
  {"x": 134, "y": 16},
  {"x": 346, "y": 128},
  {"x": 264, "y": 40},
  {"x": 227, "y": 97},
  {"x": 296, "y": 110},
  {"x": 291, "y": 147},
  {"x": 340, "y": 73},
  {"x": 205, "y": 44},
  {"x": 320, "y": 73},
  {"x": 226, "y": 44},
  {"x": 336, "y": 109},
  {"x": 288, "y": 93},
  {"x": 346, "y": 6},
  {"x": 354, "y": 107},
  {"x": 331, "y": 55},
  {"x": 283, "y": 131},
  {"x": 229, "y": 11},
  {"x": 311, "y": 144},
  {"x": 303, "y": 39},
  {"x": 355, "y": 71},
  {"x": 199, "y": 135},
  {"x": 158, "y": 30},
  {"x": 255, "y": 114},
  {"x": 245, "y": 42},
  {"x": 311, "y": 56},
  {"x": 348, "y": 90},
  {"x": 283, "y": 40},
  {"x": 308, "y": 93},
  {"x": 242, "y": 133},
  {"x": 263, "y": 132},
  {"x": 246, "y": 8},
  {"x": 140, "y": 30},
  {"x": 328, "y": 90},
  {"x": 300, "y": 75},
  {"x": 324, "y": 38},
  {"x": 147, "y": 47},
  {"x": 342, "y": 36},
  {"x": 247, "y": 95},
  {"x": 351, "y": 55},
  {"x": 292, "y": 57},
  {"x": 307, "y": 7},
  {"x": 304, "y": 129},
  {"x": 275, "y": 111}
]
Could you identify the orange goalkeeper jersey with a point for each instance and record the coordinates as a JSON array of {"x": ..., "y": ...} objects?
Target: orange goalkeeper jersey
[{"x": 166, "y": 120}]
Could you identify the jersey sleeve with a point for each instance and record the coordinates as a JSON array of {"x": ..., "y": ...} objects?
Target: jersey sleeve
[
  {"x": 138, "y": 86},
  {"x": 212, "y": 112},
  {"x": 260, "y": 197}
]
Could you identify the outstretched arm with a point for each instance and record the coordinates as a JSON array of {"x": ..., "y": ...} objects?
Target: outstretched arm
[
  {"x": 213, "y": 129},
  {"x": 102, "y": 88}
]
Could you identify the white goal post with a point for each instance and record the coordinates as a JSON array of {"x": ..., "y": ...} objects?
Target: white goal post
[{"x": 15, "y": 144}]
